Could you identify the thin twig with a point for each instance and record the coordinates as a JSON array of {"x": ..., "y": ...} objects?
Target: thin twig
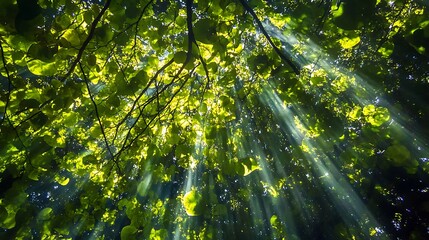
[
  {"x": 98, "y": 117},
  {"x": 9, "y": 84}
]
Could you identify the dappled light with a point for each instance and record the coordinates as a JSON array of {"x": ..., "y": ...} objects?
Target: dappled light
[{"x": 196, "y": 119}]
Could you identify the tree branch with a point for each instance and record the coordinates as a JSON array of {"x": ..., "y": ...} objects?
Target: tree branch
[
  {"x": 285, "y": 58},
  {"x": 9, "y": 83},
  {"x": 87, "y": 40},
  {"x": 191, "y": 40},
  {"x": 98, "y": 118}
]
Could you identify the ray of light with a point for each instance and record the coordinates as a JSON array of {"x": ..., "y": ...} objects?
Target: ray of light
[
  {"x": 192, "y": 181},
  {"x": 364, "y": 93},
  {"x": 363, "y": 89},
  {"x": 350, "y": 206},
  {"x": 259, "y": 206}
]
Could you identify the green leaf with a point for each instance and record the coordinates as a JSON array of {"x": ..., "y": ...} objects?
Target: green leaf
[
  {"x": 347, "y": 42},
  {"x": 92, "y": 60},
  {"x": 192, "y": 202},
  {"x": 29, "y": 103},
  {"x": 40, "y": 68},
  {"x": 103, "y": 33},
  {"x": 9, "y": 221},
  {"x": 70, "y": 119},
  {"x": 63, "y": 181},
  {"x": 72, "y": 37},
  {"x": 376, "y": 116},
  {"x": 399, "y": 154},
  {"x": 42, "y": 52},
  {"x": 274, "y": 220},
  {"x": 45, "y": 214},
  {"x": 3, "y": 214},
  {"x": 250, "y": 164},
  {"x": 128, "y": 232},
  {"x": 89, "y": 159},
  {"x": 205, "y": 30},
  {"x": 181, "y": 21},
  {"x": 180, "y": 57},
  {"x": 159, "y": 234},
  {"x": 38, "y": 146}
]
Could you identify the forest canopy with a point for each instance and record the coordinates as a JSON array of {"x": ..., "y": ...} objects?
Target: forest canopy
[{"x": 197, "y": 119}]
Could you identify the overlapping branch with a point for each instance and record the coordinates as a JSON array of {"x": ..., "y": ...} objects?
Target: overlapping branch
[{"x": 191, "y": 40}]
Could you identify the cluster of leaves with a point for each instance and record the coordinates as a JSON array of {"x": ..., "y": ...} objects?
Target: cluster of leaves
[{"x": 214, "y": 119}]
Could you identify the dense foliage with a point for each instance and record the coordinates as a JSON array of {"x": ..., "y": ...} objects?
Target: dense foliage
[{"x": 197, "y": 119}]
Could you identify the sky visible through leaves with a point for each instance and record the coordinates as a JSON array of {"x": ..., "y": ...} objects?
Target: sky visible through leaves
[{"x": 197, "y": 119}]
